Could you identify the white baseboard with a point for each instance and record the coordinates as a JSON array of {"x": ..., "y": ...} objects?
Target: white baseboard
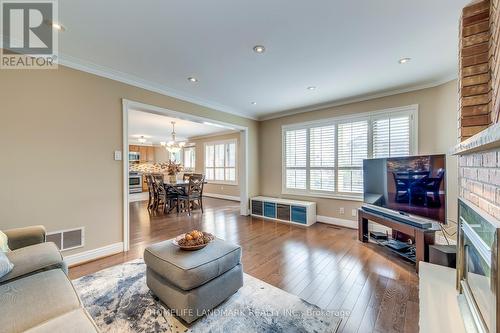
[
  {"x": 337, "y": 221},
  {"x": 350, "y": 223},
  {"x": 222, "y": 196},
  {"x": 143, "y": 196},
  {"x": 94, "y": 254}
]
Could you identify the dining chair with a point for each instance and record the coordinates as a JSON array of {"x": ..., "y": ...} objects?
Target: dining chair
[
  {"x": 151, "y": 191},
  {"x": 169, "y": 195},
  {"x": 428, "y": 185},
  {"x": 402, "y": 188},
  {"x": 160, "y": 192},
  {"x": 194, "y": 193}
]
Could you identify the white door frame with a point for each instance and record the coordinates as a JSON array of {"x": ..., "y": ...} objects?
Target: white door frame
[{"x": 242, "y": 173}]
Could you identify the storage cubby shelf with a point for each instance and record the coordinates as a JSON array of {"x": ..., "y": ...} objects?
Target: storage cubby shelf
[{"x": 284, "y": 210}]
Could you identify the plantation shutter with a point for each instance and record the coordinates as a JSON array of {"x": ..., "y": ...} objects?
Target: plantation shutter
[
  {"x": 189, "y": 159},
  {"x": 322, "y": 158},
  {"x": 296, "y": 157},
  {"x": 231, "y": 162},
  {"x": 220, "y": 161},
  {"x": 209, "y": 162},
  {"x": 352, "y": 149},
  {"x": 391, "y": 136}
]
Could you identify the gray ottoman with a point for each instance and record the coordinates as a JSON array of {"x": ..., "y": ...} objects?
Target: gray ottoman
[{"x": 191, "y": 283}]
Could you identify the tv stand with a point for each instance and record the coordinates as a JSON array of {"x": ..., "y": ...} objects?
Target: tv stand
[{"x": 423, "y": 237}]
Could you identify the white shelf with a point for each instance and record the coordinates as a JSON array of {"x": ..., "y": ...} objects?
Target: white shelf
[
  {"x": 300, "y": 213},
  {"x": 285, "y": 201},
  {"x": 485, "y": 140},
  {"x": 438, "y": 300}
]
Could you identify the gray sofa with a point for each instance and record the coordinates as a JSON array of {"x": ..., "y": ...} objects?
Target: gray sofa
[{"x": 37, "y": 296}]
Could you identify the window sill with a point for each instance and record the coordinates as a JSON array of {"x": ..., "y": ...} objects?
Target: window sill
[{"x": 358, "y": 198}]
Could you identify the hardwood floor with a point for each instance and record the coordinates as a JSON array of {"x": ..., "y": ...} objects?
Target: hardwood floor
[{"x": 324, "y": 265}]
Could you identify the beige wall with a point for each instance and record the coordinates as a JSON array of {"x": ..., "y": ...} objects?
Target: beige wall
[
  {"x": 58, "y": 131},
  {"x": 223, "y": 189},
  {"x": 437, "y": 133},
  {"x": 59, "y": 128}
]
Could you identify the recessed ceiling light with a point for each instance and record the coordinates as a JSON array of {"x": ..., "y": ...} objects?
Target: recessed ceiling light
[
  {"x": 311, "y": 88},
  {"x": 254, "y": 103},
  {"x": 58, "y": 26},
  {"x": 259, "y": 49},
  {"x": 55, "y": 25},
  {"x": 192, "y": 79},
  {"x": 404, "y": 60}
]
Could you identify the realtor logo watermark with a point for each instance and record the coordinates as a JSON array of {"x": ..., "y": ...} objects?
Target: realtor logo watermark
[{"x": 29, "y": 40}]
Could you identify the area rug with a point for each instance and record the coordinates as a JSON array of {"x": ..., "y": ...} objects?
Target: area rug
[{"x": 119, "y": 301}]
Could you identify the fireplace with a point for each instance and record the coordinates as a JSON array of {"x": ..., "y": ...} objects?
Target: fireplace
[
  {"x": 479, "y": 166},
  {"x": 477, "y": 266}
]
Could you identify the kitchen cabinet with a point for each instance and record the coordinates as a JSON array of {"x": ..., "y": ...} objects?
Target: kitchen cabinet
[
  {"x": 151, "y": 154},
  {"x": 147, "y": 153},
  {"x": 143, "y": 150}
]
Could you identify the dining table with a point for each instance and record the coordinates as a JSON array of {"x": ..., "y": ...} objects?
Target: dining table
[
  {"x": 180, "y": 186},
  {"x": 411, "y": 175}
]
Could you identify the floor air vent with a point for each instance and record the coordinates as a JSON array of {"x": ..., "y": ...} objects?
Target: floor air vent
[{"x": 67, "y": 239}]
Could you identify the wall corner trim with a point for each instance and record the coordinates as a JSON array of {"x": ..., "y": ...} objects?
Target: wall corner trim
[{"x": 79, "y": 258}]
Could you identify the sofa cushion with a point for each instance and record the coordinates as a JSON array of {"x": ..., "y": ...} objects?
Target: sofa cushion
[
  {"x": 4, "y": 242},
  {"x": 76, "y": 321},
  {"x": 35, "y": 299},
  {"x": 21, "y": 237},
  {"x": 32, "y": 259},
  {"x": 5, "y": 264},
  {"x": 191, "y": 269}
]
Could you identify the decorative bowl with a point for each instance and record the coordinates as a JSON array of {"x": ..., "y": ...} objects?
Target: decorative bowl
[{"x": 192, "y": 247}]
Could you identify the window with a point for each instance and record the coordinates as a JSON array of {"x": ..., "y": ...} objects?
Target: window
[
  {"x": 189, "y": 159},
  {"x": 322, "y": 155},
  {"x": 296, "y": 159},
  {"x": 391, "y": 136},
  {"x": 325, "y": 158},
  {"x": 220, "y": 162},
  {"x": 353, "y": 148},
  {"x": 174, "y": 156}
]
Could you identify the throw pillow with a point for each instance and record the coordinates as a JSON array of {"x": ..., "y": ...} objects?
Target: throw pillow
[
  {"x": 5, "y": 265},
  {"x": 4, "y": 243}
]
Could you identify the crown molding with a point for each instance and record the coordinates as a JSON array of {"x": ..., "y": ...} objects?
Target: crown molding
[
  {"x": 106, "y": 72},
  {"x": 206, "y": 136},
  {"x": 362, "y": 98}
]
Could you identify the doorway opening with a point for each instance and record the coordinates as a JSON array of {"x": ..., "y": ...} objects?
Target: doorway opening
[{"x": 153, "y": 136}]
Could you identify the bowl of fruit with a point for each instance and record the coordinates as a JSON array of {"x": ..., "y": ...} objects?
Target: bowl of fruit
[{"x": 193, "y": 240}]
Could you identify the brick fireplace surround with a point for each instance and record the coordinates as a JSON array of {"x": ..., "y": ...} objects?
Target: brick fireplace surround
[
  {"x": 479, "y": 170},
  {"x": 480, "y": 180},
  {"x": 479, "y": 106}
]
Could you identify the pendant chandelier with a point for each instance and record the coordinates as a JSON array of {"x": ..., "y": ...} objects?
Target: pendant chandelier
[{"x": 174, "y": 146}]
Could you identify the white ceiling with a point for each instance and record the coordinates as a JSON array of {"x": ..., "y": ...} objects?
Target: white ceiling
[
  {"x": 157, "y": 128},
  {"x": 347, "y": 49}
]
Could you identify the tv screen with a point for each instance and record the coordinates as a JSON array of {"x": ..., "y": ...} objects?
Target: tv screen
[{"x": 413, "y": 184}]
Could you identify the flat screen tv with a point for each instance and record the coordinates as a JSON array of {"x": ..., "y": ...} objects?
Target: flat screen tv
[{"x": 413, "y": 185}]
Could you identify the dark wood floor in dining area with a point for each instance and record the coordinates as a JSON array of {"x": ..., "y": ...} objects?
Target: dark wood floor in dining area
[{"x": 323, "y": 264}]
